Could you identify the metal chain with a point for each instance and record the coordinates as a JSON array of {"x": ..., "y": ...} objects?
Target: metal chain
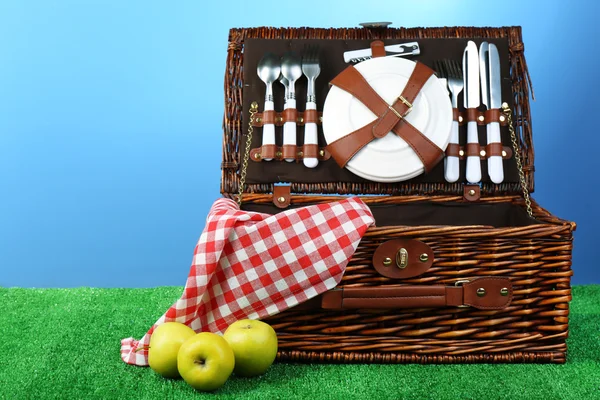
[
  {"x": 513, "y": 137},
  {"x": 253, "y": 110}
]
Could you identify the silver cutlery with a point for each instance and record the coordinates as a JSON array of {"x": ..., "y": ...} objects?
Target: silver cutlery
[
  {"x": 471, "y": 100},
  {"x": 268, "y": 71},
  {"x": 291, "y": 69},
  {"x": 491, "y": 96},
  {"x": 311, "y": 69},
  {"x": 451, "y": 69},
  {"x": 285, "y": 84}
]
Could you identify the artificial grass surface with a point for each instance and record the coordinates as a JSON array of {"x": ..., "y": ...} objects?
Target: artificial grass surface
[{"x": 64, "y": 344}]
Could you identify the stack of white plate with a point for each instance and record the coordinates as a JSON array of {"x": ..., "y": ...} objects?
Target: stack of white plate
[{"x": 390, "y": 158}]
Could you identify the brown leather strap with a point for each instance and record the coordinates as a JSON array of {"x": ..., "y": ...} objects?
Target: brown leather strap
[
  {"x": 453, "y": 150},
  {"x": 487, "y": 293},
  {"x": 290, "y": 115},
  {"x": 344, "y": 148},
  {"x": 310, "y": 151},
  {"x": 471, "y": 192},
  {"x": 492, "y": 115},
  {"x": 472, "y": 149},
  {"x": 494, "y": 149},
  {"x": 289, "y": 151},
  {"x": 403, "y": 103},
  {"x": 311, "y": 116},
  {"x": 268, "y": 117},
  {"x": 282, "y": 195},
  {"x": 350, "y": 80},
  {"x": 268, "y": 151},
  {"x": 455, "y": 114},
  {"x": 472, "y": 114},
  {"x": 377, "y": 49}
]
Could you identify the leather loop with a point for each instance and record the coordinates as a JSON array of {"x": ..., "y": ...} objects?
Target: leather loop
[
  {"x": 288, "y": 151},
  {"x": 492, "y": 115},
  {"x": 472, "y": 149},
  {"x": 290, "y": 115},
  {"x": 472, "y": 115},
  {"x": 268, "y": 117},
  {"x": 282, "y": 195},
  {"x": 453, "y": 150},
  {"x": 310, "y": 151},
  {"x": 311, "y": 116},
  {"x": 377, "y": 49},
  {"x": 493, "y": 149},
  {"x": 268, "y": 151},
  {"x": 471, "y": 192},
  {"x": 455, "y": 115},
  {"x": 485, "y": 293}
]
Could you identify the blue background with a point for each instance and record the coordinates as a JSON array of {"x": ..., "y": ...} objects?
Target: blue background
[{"x": 111, "y": 112}]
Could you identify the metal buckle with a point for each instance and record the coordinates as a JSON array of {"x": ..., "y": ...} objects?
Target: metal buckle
[
  {"x": 458, "y": 284},
  {"x": 406, "y": 103}
]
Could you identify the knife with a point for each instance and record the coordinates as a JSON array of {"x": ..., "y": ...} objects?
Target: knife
[
  {"x": 471, "y": 100},
  {"x": 489, "y": 64}
]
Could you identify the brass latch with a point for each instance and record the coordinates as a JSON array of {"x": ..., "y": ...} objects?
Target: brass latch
[{"x": 402, "y": 258}]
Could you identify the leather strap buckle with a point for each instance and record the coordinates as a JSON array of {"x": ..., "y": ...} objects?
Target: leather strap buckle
[
  {"x": 406, "y": 103},
  {"x": 459, "y": 284}
]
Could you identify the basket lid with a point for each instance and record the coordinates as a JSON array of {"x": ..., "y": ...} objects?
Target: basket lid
[{"x": 243, "y": 87}]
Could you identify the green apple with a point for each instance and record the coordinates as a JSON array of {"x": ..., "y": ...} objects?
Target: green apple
[
  {"x": 205, "y": 361},
  {"x": 254, "y": 344},
  {"x": 164, "y": 345}
]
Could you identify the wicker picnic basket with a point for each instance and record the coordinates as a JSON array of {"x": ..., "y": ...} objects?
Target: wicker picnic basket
[{"x": 487, "y": 236}]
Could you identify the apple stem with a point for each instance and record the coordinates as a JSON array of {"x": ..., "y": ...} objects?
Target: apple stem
[{"x": 142, "y": 348}]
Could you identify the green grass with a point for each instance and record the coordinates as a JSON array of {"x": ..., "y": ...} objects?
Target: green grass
[{"x": 64, "y": 344}]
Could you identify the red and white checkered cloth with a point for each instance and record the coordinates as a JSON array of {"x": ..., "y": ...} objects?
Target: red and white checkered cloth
[{"x": 252, "y": 265}]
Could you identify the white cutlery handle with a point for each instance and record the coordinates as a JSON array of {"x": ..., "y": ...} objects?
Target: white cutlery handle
[
  {"x": 289, "y": 129},
  {"x": 310, "y": 137},
  {"x": 473, "y": 162},
  {"x": 452, "y": 170},
  {"x": 495, "y": 169},
  {"x": 268, "y": 136}
]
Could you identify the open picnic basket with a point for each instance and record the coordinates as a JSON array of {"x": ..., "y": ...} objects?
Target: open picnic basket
[{"x": 453, "y": 272}]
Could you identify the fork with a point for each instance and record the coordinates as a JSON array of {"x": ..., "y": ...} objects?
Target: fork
[
  {"x": 311, "y": 69},
  {"x": 451, "y": 70}
]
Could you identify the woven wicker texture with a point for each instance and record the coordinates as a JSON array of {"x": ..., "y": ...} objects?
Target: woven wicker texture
[{"x": 536, "y": 258}]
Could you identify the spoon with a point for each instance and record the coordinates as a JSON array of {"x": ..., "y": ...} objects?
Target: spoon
[
  {"x": 291, "y": 69},
  {"x": 285, "y": 84},
  {"x": 268, "y": 71}
]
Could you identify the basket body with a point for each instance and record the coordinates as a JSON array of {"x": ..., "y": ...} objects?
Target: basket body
[{"x": 534, "y": 254}]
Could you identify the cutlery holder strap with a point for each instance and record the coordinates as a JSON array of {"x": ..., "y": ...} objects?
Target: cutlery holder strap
[
  {"x": 279, "y": 153},
  {"x": 492, "y": 149},
  {"x": 486, "y": 293},
  {"x": 290, "y": 115},
  {"x": 278, "y": 118},
  {"x": 481, "y": 117},
  {"x": 391, "y": 117}
]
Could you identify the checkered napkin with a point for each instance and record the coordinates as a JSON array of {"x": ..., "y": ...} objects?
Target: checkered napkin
[{"x": 252, "y": 265}]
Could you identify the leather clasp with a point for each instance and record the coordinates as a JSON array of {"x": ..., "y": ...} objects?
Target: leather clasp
[
  {"x": 402, "y": 258},
  {"x": 282, "y": 195}
]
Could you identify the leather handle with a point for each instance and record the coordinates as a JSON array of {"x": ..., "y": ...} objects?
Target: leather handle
[{"x": 488, "y": 293}]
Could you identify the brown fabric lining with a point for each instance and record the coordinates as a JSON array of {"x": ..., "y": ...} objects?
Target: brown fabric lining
[
  {"x": 498, "y": 215},
  {"x": 331, "y": 55}
]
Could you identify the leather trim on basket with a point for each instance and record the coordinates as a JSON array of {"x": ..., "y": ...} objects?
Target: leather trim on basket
[
  {"x": 387, "y": 258},
  {"x": 486, "y": 293}
]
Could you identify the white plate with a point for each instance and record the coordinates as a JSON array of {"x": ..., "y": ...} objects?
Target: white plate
[{"x": 390, "y": 158}]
